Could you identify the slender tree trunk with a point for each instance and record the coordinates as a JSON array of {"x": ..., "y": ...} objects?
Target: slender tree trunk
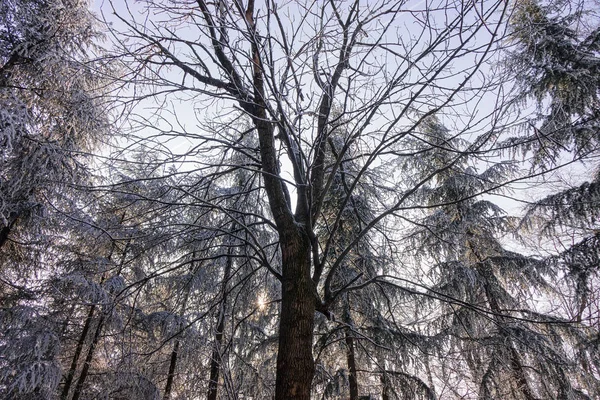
[
  {"x": 174, "y": 355},
  {"x": 88, "y": 360},
  {"x": 351, "y": 360},
  {"x": 215, "y": 361},
  {"x": 172, "y": 366},
  {"x": 295, "y": 363},
  {"x": 90, "y": 354},
  {"x": 78, "y": 349},
  {"x": 350, "y": 352},
  {"x": 583, "y": 301},
  {"x": 175, "y": 351},
  {"x": 515, "y": 360}
]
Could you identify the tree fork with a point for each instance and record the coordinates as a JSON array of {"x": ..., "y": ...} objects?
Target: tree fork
[{"x": 84, "y": 333}]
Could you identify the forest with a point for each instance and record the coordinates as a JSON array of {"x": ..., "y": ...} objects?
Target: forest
[{"x": 300, "y": 199}]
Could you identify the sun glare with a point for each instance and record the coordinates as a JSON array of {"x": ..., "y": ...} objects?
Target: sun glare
[{"x": 261, "y": 301}]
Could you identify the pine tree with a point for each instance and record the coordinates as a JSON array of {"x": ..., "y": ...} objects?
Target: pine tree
[
  {"x": 556, "y": 61},
  {"x": 511, "y": 349},
  {"x": 52, "y": 113},
  {"x": 563, "y": 40}
]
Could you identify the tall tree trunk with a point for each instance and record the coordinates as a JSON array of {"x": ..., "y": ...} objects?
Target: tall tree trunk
[
  {"x": 78, "y": 349},
  {"x": 171, "y": 374},
  {"x": 350, "y": 353},
  {"x": 175, "y": 351},
  {"x": 351, "y": 360},
  {"x": 215, "y": 361},
  {"x": 515, "y": 360},
  {"x": 90, "y": 354},
  {"x": 295, "y": 363},
  {"x": 88, "y": 360}
]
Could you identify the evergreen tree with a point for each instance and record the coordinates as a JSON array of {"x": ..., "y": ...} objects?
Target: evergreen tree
[
  {"x": 512, "y": 349},
  {"x": 563, "y": 40},
  {"x": 52, "y": 113},
  {"x": 556, "y": 61}
]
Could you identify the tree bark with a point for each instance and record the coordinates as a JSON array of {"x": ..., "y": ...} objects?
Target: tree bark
[
  {"x": 171, "y": 374},
  {"x": 175, "y": 351},
  {"x": 78, "y": 349},
  {"x": 215, "y": 361},
  {"x": 295, "y": 363},
  {"x": 88, "y": 360},
  {"x": 351, "y": 360},
  {"x": 350, "y": 352}
]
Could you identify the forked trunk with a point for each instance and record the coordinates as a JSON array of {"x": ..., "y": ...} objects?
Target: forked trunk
[
  {"x": 88, "y": 360},
  {"x": 78, "y": 349}
]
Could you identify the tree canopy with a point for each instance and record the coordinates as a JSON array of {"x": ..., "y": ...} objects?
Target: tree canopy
[{"x": 296, "y": 200}]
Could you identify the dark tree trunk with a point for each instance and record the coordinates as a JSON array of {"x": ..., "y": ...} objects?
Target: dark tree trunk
[
  {"x": 175, "y": 351},
  {"x": 172, "y": 366},
  {"x": 88, "y": 360},
  {"x": 78, "y": 349},
  {"x": 350, "y": 358},
  {"x": 350, "y": 352},
  {"x": 215, "y": 361},
  {"x": 295, "y": 363}
]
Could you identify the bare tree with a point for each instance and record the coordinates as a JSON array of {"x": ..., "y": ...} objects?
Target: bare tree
[{"x": 386, "y": 66}]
